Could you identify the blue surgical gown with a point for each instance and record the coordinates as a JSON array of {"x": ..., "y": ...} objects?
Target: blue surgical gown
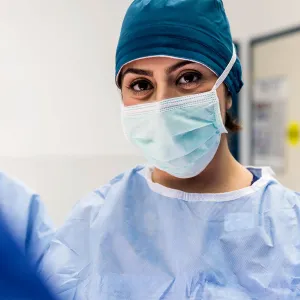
[
  {"x": 24, "y": 213},
  {"x": 135, "y": 239},
  {"x": 18, "y": 278}
]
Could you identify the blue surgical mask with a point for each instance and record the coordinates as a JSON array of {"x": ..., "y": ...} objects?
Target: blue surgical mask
[{"x": 179, "y": 135}]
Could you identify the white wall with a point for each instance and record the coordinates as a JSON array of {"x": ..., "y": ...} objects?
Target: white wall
[
  {"x": 57, "y": 70},
  {"x": 250, "y": 18},
  {"x": 59, "y": 118}
]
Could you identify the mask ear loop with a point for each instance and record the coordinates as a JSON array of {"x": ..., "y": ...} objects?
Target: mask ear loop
[
  {"x": 222, "y": 128},
  {"x": 226, "y": 71}
]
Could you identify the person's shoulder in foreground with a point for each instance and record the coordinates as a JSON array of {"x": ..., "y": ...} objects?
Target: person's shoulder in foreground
[
  {"x": 135, "y": 237},
  {"x": 18, "y": 278},
  {"x": 24, "y": 213}
]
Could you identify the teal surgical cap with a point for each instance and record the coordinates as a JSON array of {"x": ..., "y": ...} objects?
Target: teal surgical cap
[{"x": 196, "y": 30}]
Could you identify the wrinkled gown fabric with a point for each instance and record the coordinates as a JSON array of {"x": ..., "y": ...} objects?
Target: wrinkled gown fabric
[{"x": 135, "y": 239}]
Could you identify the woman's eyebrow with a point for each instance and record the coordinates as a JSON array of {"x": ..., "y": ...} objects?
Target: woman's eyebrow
[
  {"x": 149, "y": 73},
  {"x": 178, "y": 65},
  {"x": 138, "y": 72}
]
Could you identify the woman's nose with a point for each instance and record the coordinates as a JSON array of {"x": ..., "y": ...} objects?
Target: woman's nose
[{"x": 165, "y": 91}]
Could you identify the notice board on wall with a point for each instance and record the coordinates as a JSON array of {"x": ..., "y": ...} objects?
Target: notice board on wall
[{"x": 275, "y": 97}]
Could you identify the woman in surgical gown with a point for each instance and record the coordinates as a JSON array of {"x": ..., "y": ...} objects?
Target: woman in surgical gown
[{"x": 194, "y": 223}]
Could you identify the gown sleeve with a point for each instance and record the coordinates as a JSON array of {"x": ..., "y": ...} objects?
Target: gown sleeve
[
  {"x": 24, "y": 213},
  {"x": 18, "y": 278}
]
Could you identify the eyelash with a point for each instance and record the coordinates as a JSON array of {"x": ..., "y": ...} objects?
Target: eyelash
[
  {"x": 193, "y": 73},
  {"x": 142, "y": 80},
  {"x": 131, "y": 86}
]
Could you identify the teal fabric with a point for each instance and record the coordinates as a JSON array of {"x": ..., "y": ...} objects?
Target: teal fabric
[{"x": 195, "y": 30}]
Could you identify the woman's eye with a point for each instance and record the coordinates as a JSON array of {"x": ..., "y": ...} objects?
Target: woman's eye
[
  {"x": 189, "y": 78},
  {"x": 141, "y": 86}
]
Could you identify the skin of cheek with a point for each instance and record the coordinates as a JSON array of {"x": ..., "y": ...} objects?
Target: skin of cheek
[{"x": 127, "y": 99}]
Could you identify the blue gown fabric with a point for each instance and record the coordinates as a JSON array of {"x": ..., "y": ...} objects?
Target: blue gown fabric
[
  {"x": 135, "y": 239},
  {"x": 22, "y": 210},
  {"x": 18, "y": 278}
]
